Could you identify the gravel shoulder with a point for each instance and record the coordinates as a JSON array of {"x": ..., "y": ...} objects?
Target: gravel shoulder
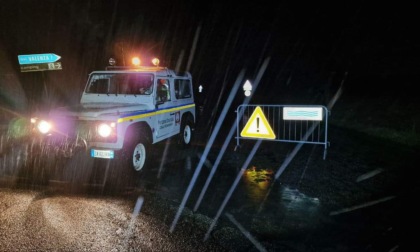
[{"x": 46, "y": 221}]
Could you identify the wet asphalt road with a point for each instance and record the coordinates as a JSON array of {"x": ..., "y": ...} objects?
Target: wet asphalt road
[
  {"x": 45, "y": 221},
  {"x": 357, "y": 199}
]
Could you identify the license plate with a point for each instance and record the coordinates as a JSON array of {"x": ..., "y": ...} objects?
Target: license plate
[{"x": 102, "y": 153}]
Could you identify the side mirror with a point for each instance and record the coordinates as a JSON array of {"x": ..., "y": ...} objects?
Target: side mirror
[{"x": 158, "y": 102}]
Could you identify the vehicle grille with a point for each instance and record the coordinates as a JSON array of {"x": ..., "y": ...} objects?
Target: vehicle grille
[{"x": 73, "y": 128}]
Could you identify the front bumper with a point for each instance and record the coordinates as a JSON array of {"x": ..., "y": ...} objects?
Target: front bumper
[{"x": 59, "y": 146}]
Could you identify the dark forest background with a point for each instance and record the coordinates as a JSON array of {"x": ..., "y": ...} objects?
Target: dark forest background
[{"x": 312, "y": 49}]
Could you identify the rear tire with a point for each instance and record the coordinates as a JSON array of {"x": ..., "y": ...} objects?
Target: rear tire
[{"x": 186, "y": 133}]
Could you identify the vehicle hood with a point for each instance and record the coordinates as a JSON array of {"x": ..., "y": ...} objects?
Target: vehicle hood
[{"x": 95, "y": 110}]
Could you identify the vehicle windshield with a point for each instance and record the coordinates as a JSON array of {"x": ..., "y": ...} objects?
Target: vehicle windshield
[{"x": 120, "y": 83}]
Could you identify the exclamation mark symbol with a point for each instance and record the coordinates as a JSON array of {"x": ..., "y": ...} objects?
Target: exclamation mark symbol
[{"x": 258, "y": 124}]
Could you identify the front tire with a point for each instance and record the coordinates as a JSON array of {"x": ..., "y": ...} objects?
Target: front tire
[{"x": 137, "y": 154}]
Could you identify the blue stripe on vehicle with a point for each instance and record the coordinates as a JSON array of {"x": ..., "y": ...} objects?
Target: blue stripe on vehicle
[{"x": 139, "y": 115}]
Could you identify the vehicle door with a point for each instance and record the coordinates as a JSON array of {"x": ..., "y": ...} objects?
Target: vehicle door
[
  {"x": 165, "y": 113},
  {"x": 183, "y": 96}
]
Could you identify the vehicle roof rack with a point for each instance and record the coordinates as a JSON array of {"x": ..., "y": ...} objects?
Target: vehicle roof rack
[{"x": 156, "y": 68}]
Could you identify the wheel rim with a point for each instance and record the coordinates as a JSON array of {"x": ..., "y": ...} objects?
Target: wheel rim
[
  {"x": 187, "y": 134},
  {"x": 139, "y": 156}
]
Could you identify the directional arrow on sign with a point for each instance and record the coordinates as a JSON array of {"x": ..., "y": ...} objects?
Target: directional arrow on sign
[
  {"x": 38, "y": 58},
  {"x": 40, "y": 67}
]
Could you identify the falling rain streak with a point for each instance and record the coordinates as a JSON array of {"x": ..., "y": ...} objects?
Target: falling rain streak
[{"x": 207, "y": 149}]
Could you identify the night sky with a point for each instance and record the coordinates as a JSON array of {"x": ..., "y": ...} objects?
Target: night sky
[{"x": 309, "y": 46}]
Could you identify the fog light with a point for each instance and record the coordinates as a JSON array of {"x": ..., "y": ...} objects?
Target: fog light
[{"x": 44, "y": 127}]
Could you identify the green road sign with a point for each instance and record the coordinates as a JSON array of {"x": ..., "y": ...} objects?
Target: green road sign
[{"x": 41, "y": 67}]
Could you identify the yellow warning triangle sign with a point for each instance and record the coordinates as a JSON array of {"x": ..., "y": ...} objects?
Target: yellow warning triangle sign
[{"x": 258, "y": 126}]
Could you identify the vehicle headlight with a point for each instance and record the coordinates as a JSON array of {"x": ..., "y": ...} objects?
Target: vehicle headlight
[
  {"x": 44, "y": 127},
  {"x": 105, "y": 130}
]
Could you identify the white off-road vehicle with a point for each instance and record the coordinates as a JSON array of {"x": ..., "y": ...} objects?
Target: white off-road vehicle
[{"x": 122, "y": 112}]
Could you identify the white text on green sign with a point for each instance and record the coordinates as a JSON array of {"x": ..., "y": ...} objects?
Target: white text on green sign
[{"x": 38, "y": 58}]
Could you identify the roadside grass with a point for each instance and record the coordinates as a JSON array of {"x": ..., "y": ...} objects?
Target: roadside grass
[{"x": 407, "y": 137}]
